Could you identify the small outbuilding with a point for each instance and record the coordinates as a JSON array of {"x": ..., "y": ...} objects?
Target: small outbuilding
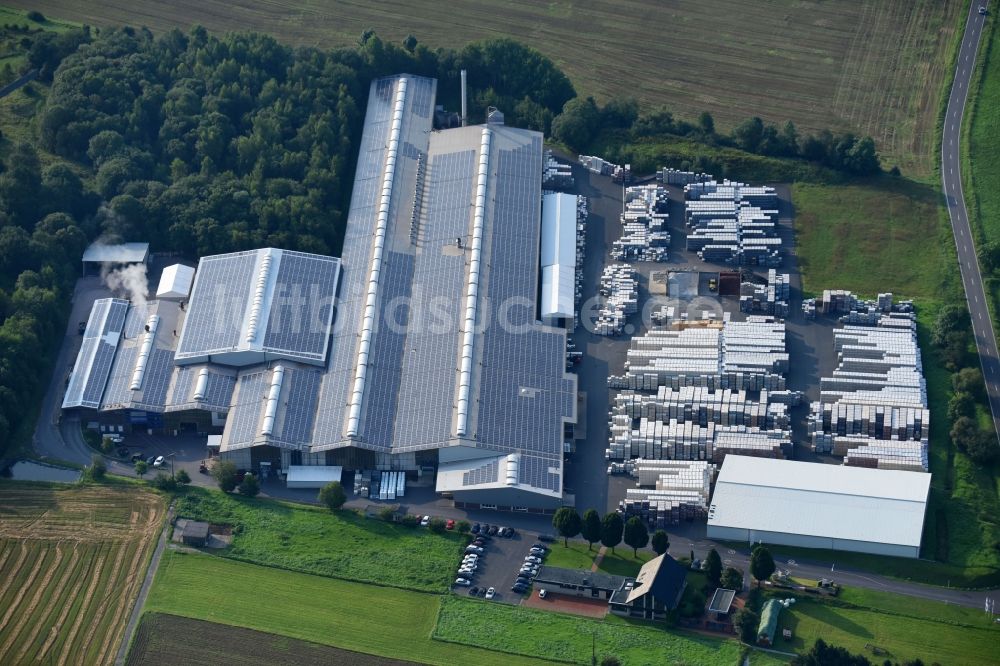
[
  {"x": 175, "y": 282},
  {"x": 195, "y": 533},
  {"x": 768, "y": 622},
  {"x": 99, "y": 255},
  {"x": 722, "y": 602},
  {"x": 312, "y": 476}
]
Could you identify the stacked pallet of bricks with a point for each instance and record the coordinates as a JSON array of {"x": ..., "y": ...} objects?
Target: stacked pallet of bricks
[
  {"x": 702, "y": 405},
  {"x": 644, "y": 221},
  {"x": 769, "y": 299},
  {"x": 732, "y": 223},
  {"x": 676, "y": 177},
  {"x": 747, "y": 355},
  {"x": 557, "y": 175},
  {"x": 597, "y": 165},
  {"x": 684, "y": 440},
  {"x": 669, "y": 492},
  {"x": 873, "y": 408},
  {"x": 620, "y": 299},
  {"x": 581, "y": 246}
]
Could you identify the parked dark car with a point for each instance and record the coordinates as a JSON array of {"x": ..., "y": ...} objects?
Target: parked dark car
[
  {"x": 493, "y": 530},
  {"x": 547, "y": 538},
  {"x": 520, "y": 589},
  {"x": 473, "y": 591},
  {"x": 136, "y": 457},
  {"x": 150, "y": 460},
  {"x": 123, "y": 451},
  {"x": 475, "y": 528}
]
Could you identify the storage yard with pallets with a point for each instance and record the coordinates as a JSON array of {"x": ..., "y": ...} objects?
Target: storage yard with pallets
[
  {"x": 72, "y": 560},
  {"x": 869, "y": 67}
]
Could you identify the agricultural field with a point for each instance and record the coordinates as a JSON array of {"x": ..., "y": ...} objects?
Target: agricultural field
[
  {"x": 870, "y": 67},
  {"x": 931, "y": 631},
  {"x": 538, "y": 633},
  {"x": 363, "y": 618},
  {"x": 315, "y": 540},
  {"x": 200, "y": 643},
  {"x": 72, "y": 560},
  {"x": 17, "y": 32}
]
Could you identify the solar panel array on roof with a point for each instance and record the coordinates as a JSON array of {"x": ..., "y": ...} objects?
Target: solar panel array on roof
[
  {"x": 488, "y": 473},
  {"x": 97, "y": 352},
  {"x": 301, "y": 306},
  {"x": 241, "y": 426},
  {"x": 215, "y": 313},
  {"x": 300, "y": 406}
]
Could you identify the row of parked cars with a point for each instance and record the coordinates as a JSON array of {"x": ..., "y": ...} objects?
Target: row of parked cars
[
  {"x": 493, "y": 530},
  {"x": 532, "y": 562},
  {"x": 470, "y": 564}
]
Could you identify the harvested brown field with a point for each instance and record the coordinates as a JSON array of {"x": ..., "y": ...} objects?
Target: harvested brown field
[
  {"x": 72, "y": 560},
  {"x": 870, "y": 66},
  {"x": 180, "y": 640}
]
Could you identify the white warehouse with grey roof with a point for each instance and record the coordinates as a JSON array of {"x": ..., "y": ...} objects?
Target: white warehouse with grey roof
[{"x": 421, "y": 345}]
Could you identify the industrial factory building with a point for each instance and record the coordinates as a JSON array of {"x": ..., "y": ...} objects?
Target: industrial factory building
[
  {"x": 810, "y": 505},
  {"x": 422, "y": 345}
]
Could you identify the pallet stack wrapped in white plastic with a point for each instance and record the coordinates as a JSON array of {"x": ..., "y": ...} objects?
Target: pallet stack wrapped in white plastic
[
  {"x": 873, "y": 408},
  {"x": 733, "y": 223},
  {"x": 669, "y": 492},
  {"x": 644, "y": 225}
]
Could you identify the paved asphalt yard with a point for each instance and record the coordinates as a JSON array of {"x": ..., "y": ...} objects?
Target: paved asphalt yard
[
  {"x": 951, "y": 177},
  {"x": 499, "y": 565}
]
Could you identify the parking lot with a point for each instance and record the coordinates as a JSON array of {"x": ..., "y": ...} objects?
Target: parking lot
[{"x": 498, "y": 566}]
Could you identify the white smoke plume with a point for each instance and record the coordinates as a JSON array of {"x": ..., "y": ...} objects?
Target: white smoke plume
[{"x": 130, "y": 282}]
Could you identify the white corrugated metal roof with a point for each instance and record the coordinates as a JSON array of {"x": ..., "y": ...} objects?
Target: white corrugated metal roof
[
  {"x": 558, "y": 284},
  {"x": 175, "y": 281},
  {"x": 122, "y": 253},
  {"x": 558, "y": 229},
  {"x": 313, "y": 473},
  {"x": 833, "y": 501}
]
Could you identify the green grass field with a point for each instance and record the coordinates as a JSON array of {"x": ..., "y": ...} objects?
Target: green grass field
[
  {"x": 15, "y": 26},
  {"x": 365, "y": 618},
  {"x": 872, "y": 68},
  {"x": 871, "y": 237},
  {"x": 980, "y": 159},
  {"x": 72, "y": 560},
  {"x": 545, "y": 634},
  {"x": 933, "y": 632},
  {"x": 577, "y": 556},
  {"x": 315, "y": 540}
]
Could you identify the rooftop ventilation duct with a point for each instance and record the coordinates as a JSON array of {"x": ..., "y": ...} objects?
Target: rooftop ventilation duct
[
  {"x": 271, "y": 408},
  {"x": 381, "y": 224},
  {"x": 202, "y": 386},
  {"x": 147, "y": 346},
  {"x": 258, "y": 295}
]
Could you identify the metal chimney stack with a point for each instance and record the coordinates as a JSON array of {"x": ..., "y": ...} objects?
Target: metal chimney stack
[{"x": 464, "y": 117}]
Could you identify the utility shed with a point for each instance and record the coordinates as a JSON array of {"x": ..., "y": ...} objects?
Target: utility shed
[
  {"x": 768, "y": 622},
  {"x": 195, "y": 533},
  {"x": 121, "y": 254},
  {"x": 312, "y": 476},
  {"x": 812, "y": 505},
  {"x": 175, "y": 282}
]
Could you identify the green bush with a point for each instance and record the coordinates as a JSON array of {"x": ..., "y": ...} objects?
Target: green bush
[
  {"x": 36, "y": 16},
  {"x": 182, "y": 477},
  {"x": 437, "y": 525},
  {"x": 164, "y": 482},
  {"x": 332, "y": 495},
  {"x": 249, "y": 486}
]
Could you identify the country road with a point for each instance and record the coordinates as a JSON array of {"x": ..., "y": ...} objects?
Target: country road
[{"x": 951, "y": 177}]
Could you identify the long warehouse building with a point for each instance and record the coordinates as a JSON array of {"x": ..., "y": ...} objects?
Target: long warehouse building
[{"x": 809, "y": 505}]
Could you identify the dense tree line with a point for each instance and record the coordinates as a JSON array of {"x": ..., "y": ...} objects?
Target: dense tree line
[
  {"x": 952, "y": 335},
  {"x": 200, "y": 144},
  {"x": 582, "y": 120}
]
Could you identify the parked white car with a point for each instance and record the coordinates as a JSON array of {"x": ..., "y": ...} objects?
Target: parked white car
[
  {"x": 490, "y": 593},
  {"x": 463, "y": 582},
  {"x": 158, "y": 462}
]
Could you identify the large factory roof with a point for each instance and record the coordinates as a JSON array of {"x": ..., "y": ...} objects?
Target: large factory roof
[
  {"x": 260, "y": 305},
  {"x": 813, "y": 499},
  {"x": 449, "y": 220}
]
